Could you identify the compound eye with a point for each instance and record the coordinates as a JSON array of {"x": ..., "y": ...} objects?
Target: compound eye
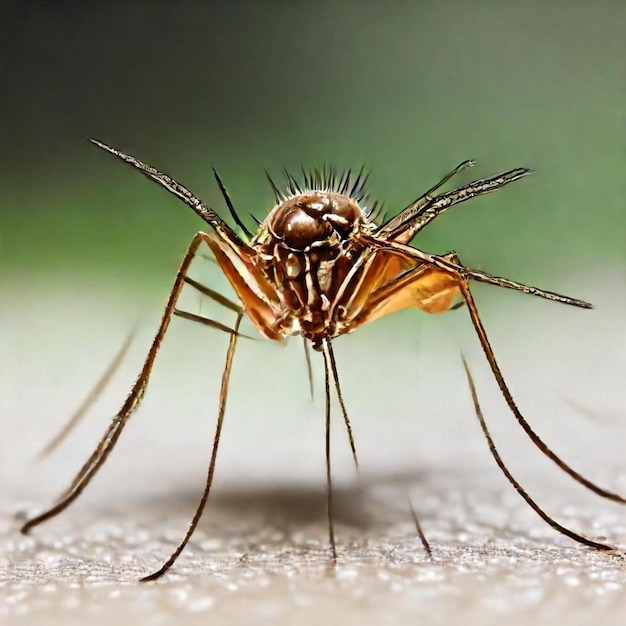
[
  {"x": 343, "y": 215},
  {"x": 299, "y": 230},
  {"x": 348, "y": 210}
]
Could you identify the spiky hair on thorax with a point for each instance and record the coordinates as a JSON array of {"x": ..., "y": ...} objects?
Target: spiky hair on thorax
[{"x": 347, "y": 182}]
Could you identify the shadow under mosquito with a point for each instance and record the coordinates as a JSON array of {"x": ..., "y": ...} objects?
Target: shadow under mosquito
[{"x": 367, "y": 505}]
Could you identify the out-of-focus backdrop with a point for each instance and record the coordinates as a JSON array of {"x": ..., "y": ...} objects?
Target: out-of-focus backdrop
[
  {"x": 407, "y": 88},
  {"x": 88, "y": 247}
]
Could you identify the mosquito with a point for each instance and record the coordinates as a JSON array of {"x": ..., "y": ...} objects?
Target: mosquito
[{"x": 322, "y": 264}]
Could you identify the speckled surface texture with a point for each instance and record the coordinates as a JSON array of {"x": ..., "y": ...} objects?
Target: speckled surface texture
[
  {"x": 262, "y": 557},
  {"x": 260, "y": 552}
]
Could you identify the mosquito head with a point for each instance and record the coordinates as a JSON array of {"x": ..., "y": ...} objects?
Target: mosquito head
[{"x": 314, "y": 219}]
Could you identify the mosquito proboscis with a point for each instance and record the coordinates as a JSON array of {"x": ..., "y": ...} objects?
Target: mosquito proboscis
[{"x": 321, "y": 265}]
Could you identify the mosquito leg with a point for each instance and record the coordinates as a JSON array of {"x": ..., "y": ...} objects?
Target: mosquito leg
[
  {"x": 309, "y": 370},
  {"x": 329, "y": 483},
  {"x": 111, "y": 435},
  {"x": 483, "y": 277},
  {"x": 185, "y": 315},
  {"x": 533, "y": 505},
  {"x": 461, "y": 275},
  {"x": 216, "y": 441},
  {"x": 346, "y": 419},
  {"x": 416, "y": 207},
  {"x": 87, "y": 403},
  {"x": 420, "y": 532},
  {"x": 447, "y": 264},
  {"x": 206, "y": 321},
  {"x": 497, "y": 373},
  {"x": 450, "y": 265},
  {"x": 214, "y": 295}
]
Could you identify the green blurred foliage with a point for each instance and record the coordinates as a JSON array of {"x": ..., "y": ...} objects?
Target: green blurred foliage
[{"x": 407, "y": 88}]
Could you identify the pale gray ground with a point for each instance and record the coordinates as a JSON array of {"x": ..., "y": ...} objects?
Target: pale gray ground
[{"x": 260, "y": 552}]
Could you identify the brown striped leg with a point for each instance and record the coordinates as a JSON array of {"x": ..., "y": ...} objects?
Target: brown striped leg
[
  {"x": 216, "y": 441},
  {"x": 522, "y": 492},
  {"x": 497, "y": 373},
  {"x": 342, "y": 404},
  {"x": 329, "y": 482},
  {"x": 111, "y": 435}
]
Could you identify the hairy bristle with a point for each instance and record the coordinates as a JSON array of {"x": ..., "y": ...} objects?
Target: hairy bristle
[{"x": 328, "y": 178}]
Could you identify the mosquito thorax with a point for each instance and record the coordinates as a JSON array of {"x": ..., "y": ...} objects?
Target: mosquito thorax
[{"x": 314, "y": 219}]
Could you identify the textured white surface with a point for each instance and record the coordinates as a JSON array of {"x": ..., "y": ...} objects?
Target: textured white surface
[
  {"x": 260, "y": 553},
  {"x": 261, "y": 556}
]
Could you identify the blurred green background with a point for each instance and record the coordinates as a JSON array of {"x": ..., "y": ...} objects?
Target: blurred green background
[{"x": 407, "y": 88}]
